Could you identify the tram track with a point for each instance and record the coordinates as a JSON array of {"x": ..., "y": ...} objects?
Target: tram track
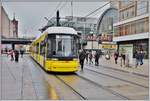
[
  {"x": 81, "y": 96},
  {"x": 96, "y": 84},
  {"x": 117, "y": 78},
  {"x": 122, "y": 71}
]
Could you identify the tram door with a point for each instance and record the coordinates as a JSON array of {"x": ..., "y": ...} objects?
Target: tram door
[
  {"x": 44, "y": 60},
  {"x": 37, "y": 51},
  {"x": 45, "y": 48}
]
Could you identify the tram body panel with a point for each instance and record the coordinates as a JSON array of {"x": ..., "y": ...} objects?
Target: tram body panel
[{"x": 62, "y": 66}]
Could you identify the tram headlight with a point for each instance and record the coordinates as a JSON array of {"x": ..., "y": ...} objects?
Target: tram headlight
[
  {"x": 54, "y": 59},
  {"x": 75, "y": 59}
]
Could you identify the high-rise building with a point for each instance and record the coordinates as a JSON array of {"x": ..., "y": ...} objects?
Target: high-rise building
[{"x": 131, "y": 32}]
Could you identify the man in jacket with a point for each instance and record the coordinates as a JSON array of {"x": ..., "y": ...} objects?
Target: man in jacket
[{"x": 82, "y": 56}]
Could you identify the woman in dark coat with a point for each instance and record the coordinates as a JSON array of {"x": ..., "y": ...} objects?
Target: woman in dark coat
[{"x": 16, "y": 56}]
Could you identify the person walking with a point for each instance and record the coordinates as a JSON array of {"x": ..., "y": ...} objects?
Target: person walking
[
  {"x": 90, "y": 58},
  {"x": 116, "y": 55},
  {"x": 141, "y": 57},
  {"x": 97, "y": 56},
  {"x": 21, "y": 52},
  {"x": 81, "y": 58},
  {"x": 16, "y": 56},
  {"x": 136, "y": 54},
  {"x": 123, "y": 57},
  {"x": 11, "y": 54},
  {"x": 86, "y": 56}
]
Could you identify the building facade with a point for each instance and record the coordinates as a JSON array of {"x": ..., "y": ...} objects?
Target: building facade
[
  {"x": 131, "y": 32},
  {"x": 7, "y": 27},
  {"x": 105, "y": 29}
]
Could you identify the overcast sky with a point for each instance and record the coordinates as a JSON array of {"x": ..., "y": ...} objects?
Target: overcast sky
[{"x": 31, "y": 14}]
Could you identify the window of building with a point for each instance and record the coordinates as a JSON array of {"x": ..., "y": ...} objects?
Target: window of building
[
  {"x": 128, "y": 13},
  {"x": 125, "y": 3},
  {"x": 133, "y": 26},
  {"x": 140, "y": 26},
  {"x": 142, "y": 7}
]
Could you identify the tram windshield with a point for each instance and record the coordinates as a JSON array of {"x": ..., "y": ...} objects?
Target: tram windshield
[{"x": 62, "y": 46}]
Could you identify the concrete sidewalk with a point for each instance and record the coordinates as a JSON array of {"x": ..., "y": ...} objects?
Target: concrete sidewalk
[
  {"x": 21, "y": 81},
  {"x": 142, "y": 70},
  {"x": 16, "y": 80}
]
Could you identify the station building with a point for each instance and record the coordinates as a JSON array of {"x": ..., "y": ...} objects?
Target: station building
[
  {"x": 105, "y": 29},
  {"x": 131, "y": 32}
]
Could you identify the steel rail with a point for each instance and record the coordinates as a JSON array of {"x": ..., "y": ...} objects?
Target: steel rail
[{"x": 117, "y": 78}]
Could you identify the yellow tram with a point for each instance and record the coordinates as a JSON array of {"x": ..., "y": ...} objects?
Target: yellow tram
[{"x": 57, "y": 50}]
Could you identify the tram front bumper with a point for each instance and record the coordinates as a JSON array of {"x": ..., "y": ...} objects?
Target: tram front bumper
[{"x": 64, "y": 66}]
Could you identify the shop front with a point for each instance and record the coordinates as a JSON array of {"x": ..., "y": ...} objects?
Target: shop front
[{"x": 135, "y": 45}]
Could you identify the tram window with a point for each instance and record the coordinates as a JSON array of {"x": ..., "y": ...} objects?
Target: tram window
[
  {"x": 37, "y": 48},
  {"x": 62, "y": 46},
  {"x": 42, "y": 48},
  {"x": 51, "y": 50}
]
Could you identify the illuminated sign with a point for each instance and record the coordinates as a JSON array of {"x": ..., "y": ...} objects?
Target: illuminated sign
[
  {"x": 93, "y": 38},
  {"x": 99, "y": 38},
  {"x": 106, "y": 37}
]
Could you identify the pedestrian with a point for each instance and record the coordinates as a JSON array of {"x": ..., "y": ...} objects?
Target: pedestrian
[
  {"x": 16, "y": 56},
  {"x": 97, "y": 56},
  {"x": 90, "y": 58},
  {"x": 81, "y": 58},
  {"x": 21, "y": 52},
  {"x": 116, "y": 55},
  {"x": 141, "y": 57},
  {"x": 86, "y": 56},
  {"x": 123, "y": 57},
  {"x": 11, "y": 53},
  {"x": 136, "y": 54},
  {"x": 6, "y": 50}
]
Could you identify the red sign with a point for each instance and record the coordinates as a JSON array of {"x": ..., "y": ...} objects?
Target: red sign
[
  {"x": 92, "y": 38},
  {"x": 106, "y": 38}
]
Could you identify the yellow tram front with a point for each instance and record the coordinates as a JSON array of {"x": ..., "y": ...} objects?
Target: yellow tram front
[{"x": 61, "y": 50}]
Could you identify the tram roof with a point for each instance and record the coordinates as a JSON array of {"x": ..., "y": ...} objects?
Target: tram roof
[{"x": 67, "y": 30}]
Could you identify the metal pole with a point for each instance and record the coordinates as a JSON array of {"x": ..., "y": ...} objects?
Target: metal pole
[
  {"x": 57, "y": 18},
  {"x": 92, "y": 42},
  {"x": 72, "y": 9}
]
